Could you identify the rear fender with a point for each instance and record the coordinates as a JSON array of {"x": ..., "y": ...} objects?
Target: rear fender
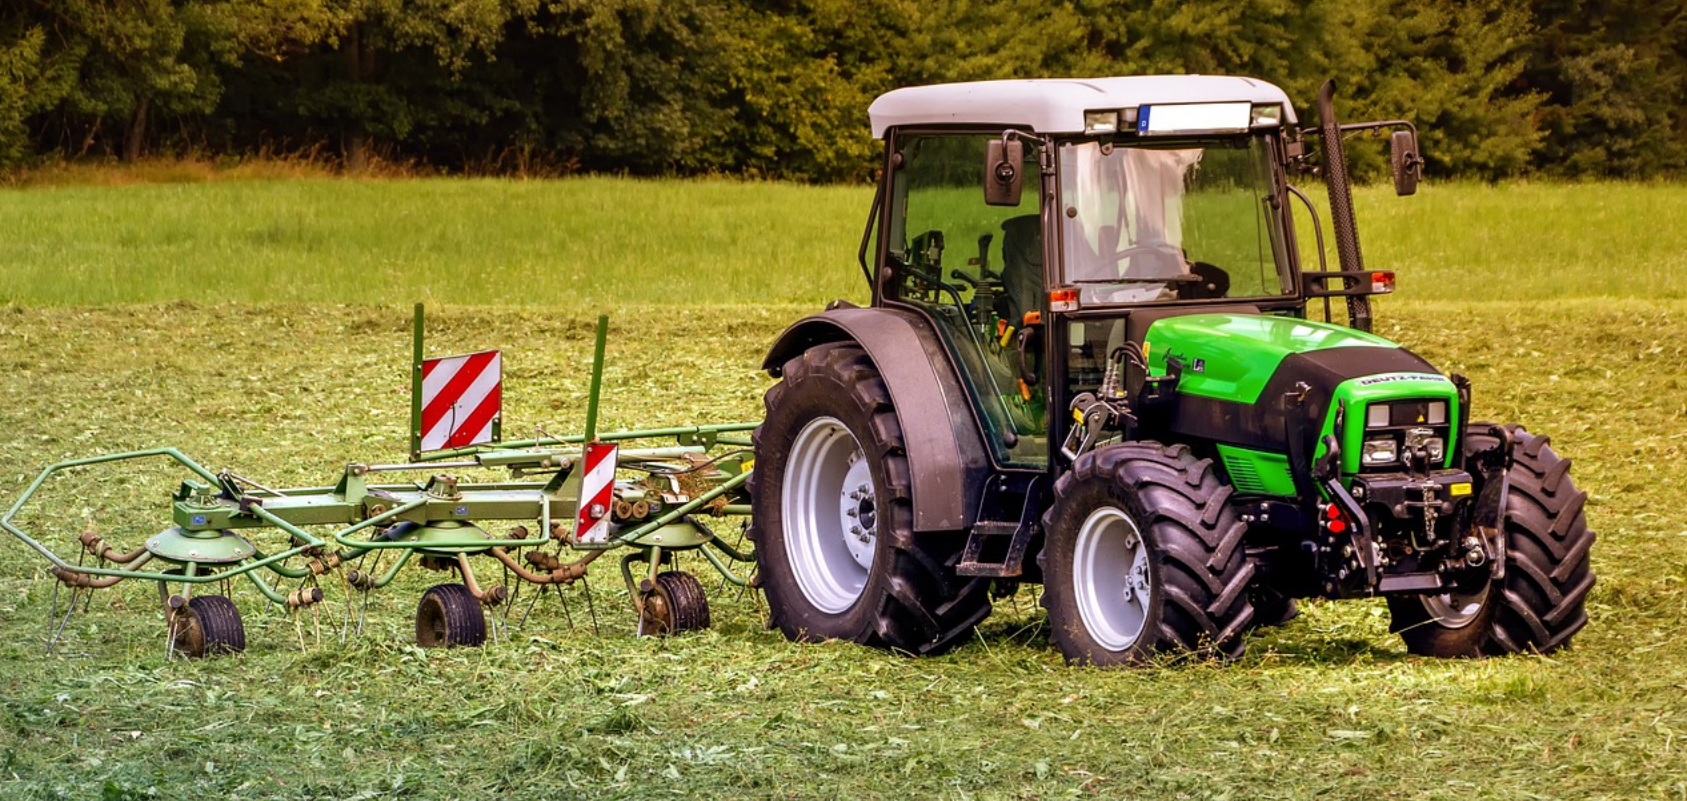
[{"x": 946, "y": 450}]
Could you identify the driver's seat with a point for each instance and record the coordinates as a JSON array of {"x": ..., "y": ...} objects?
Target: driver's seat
[{"x": 1022, "y": 268}]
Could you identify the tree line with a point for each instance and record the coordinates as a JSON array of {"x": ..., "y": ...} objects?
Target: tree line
[{"x": 779, "y": 88}]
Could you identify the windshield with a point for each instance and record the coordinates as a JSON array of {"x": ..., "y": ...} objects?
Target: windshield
[{"x": 1185, "y": 221}]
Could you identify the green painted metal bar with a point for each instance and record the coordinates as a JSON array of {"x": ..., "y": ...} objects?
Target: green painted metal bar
[
  {"x": 722, "y": 568},
  {"x": 575, "y": 439},
  {"x": 208, "y": 578},
  {"x": 392, "y": 572},
  {"x": 283, "y": 570},
  {"x": 736, "y": 509},
  {"x": 275, "y": 520},
  {"x": 341, "y": 536},
  {"x": 35, "y": 486},
  {"x": 416, "y": 385},
  {"x": 731, "y": 552},
  {"x": 682, "y": 510},
  {"x": 597, "y": 377},
  {"x": 268, "y": 591}
]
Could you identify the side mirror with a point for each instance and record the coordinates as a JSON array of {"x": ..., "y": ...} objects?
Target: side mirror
[
  {"x": 1004, "y": 178},
  {"x": 1405, "y": 162}
]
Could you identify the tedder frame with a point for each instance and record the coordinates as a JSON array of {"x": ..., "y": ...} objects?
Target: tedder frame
[{"x": 566, "y": 486}]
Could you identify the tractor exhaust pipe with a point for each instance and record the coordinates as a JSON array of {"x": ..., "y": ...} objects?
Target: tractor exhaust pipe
[{"x": 1341, "y": 203}]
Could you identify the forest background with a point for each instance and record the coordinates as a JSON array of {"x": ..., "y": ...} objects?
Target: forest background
[{"x": 779, "y": 88}]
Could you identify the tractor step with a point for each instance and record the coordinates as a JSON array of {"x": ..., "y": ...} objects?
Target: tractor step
[
  {"x": 982, "y": 532},
  {"x": 986, "y": 555}
]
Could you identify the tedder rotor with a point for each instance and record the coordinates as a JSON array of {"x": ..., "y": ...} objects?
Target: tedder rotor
[{"x": 643, "y": 493}]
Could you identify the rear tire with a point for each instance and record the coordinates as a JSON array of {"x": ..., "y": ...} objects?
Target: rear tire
[
  {"x": 1144, "y": 556},
  {"x": 833, "y": 519},
  {"x": 208, "y": 626},
  {"x": 448, "y": 616},
  {"x": 1540, "y": 604}
]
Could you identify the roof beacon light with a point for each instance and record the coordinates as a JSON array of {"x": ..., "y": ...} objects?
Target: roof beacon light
[
  {"x": 1193, "y": 118},
  {"x": 1101, "y": 122}
]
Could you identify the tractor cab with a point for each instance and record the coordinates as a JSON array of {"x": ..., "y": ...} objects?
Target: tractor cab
[{"x": 1103, "y": 202}]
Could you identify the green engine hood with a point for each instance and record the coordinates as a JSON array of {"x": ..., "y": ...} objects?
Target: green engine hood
[
  {"x": 1235, "y": 369},
  {"x": 1233, "y": 356}
]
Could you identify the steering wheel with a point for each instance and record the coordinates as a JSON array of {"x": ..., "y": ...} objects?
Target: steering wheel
[
  {"x": 1135, "y": 250},
  {"x": 1212, "y": 283}
]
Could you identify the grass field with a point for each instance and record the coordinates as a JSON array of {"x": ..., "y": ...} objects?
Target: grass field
[
  {"x": 594, "y": 242},
  {"x": 216, "y": 349}
]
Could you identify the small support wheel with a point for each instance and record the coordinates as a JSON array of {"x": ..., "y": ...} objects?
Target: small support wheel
[
  {"x": 676, "y": 603},
  {"x": 209, "y": 625},
  {"x": 449, "y": 615}
]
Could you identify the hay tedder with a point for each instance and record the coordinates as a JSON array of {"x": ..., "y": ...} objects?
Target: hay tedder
[{"x": 644, "y": 493}]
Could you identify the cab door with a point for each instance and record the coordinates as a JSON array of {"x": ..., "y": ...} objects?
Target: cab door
[{"x": 977, "y": 271}]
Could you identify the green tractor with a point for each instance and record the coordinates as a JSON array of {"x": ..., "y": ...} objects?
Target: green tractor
[{"x": 1089, "y": 363}]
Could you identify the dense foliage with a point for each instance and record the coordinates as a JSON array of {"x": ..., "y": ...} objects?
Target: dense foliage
[{"x": 779, "y": 87}]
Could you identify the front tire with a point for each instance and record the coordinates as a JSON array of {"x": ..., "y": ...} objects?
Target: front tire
[
  {"x": 1540, "y": 604},
  {"x": 1144, "y": 556},
  {"x": 833, "y": 518}
]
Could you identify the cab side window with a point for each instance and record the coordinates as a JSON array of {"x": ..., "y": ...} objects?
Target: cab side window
[{"x": 977, "y": 270}]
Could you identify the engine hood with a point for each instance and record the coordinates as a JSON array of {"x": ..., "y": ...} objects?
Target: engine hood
[
  {"x": 1234, "y": 356},
  {"x": 1236, "y": 374}
]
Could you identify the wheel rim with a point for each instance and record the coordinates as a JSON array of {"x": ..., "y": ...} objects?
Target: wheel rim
[
  {"x": 1111, "y": 579},
  {"x": 1456, "y": 609},
  {"x": 189, "y": 635},
  {"x": 830, "y": 514},
  {"x": 656, "y": 613},
  {"x": 430, "y": 624}
]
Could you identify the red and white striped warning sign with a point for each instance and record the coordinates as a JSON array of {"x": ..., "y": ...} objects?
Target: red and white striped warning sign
[
  {"x": 461, "y": 399},
  {"x": 597, "y": 493}
]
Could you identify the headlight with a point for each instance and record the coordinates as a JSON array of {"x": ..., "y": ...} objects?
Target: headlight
[
  {"x": 1379, "y": 451},
  {"x": 1376, "y": 415},
  {"x": 1436, "y": 448}
]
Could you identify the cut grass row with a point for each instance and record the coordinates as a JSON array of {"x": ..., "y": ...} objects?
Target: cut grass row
[
  {"x": 1328, "y": 706},
  {"x": 603, "y": 242}
]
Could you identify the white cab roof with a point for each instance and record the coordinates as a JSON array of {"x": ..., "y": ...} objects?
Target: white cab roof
[{"x": 1057, "y": 105}]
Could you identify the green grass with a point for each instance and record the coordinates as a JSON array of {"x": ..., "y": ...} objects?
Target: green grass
[
  {"x": 1329, "y": 706},
  {"x": 591, "y": 242},
  {"x": 577, "y": 243}
]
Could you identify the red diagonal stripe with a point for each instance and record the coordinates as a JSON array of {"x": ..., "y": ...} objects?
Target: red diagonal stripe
[
  {"x": 428, "y": 365},
  {"x": 595, "y": 454},
  {"x": 453, "y": 390},
  {"x": 478, "y": 419},
  {"x": 603, "y": 498}
]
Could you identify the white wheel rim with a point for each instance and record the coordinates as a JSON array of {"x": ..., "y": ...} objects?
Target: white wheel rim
[
  {"x": 1111, "y": 579},
  {"x": 1455, "y": 610},
  {"x": 830, "y": 515}
]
